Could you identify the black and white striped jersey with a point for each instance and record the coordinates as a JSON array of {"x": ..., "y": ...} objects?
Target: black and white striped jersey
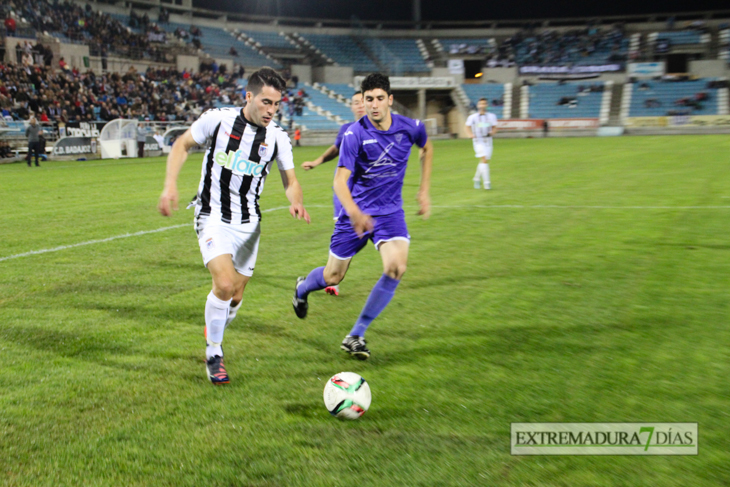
[
  {"x": 236, "y": 163},
  {"x": 481, "y": 125}
]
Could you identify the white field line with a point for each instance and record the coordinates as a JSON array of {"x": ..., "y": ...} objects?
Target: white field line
[
  {"x": 164, "y": 229},
  {"x": 109, "y": 239}
]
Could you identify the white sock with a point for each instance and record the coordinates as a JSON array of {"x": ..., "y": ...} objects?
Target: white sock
[
  {"x": 232, "y": 312},
  {"x": 478, "y": 175},
  {"x": 216, "y": 314},
  {"x": 485, "y": 172}
]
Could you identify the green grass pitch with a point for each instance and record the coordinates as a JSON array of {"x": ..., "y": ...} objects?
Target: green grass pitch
[{"x": 589, "y": 285}]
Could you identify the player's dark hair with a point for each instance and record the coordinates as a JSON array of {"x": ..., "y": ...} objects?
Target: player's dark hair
[
  {"x": 482, "y": 98},
  {"x": 358, "y": 92},
  {"x": 374, "y": 81},
  {"x": 265, "y": 77}
]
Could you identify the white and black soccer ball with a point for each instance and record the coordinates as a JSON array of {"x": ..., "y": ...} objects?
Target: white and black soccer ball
[{"x": 347, "y": 395}]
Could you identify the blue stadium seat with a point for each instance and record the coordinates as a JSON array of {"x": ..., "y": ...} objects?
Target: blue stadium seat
[
  {"x": 681, "y": 37},
  {"x": 218, "y": 43},
  {"x": 489, "y": 91},
  {"x": 343, "y": 50},
  {"x": 544, "y": 98},
  {"x": 666, "y": 94}
]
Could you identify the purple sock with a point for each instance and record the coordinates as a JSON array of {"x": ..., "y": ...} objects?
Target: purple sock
[
  {"x": 379, "y": 298},
  {"x": 313, "y": 282}
]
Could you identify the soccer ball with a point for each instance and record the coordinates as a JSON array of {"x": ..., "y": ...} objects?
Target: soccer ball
[{"x": 347, "y": 395}]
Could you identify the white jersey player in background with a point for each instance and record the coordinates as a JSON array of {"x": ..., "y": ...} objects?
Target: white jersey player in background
[
  {"x": 480, "y": 127},
  {"x": 243, "y": 145}
]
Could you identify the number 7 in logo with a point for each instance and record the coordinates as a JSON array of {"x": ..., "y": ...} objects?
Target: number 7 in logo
[{"x": 650, "y": 430}]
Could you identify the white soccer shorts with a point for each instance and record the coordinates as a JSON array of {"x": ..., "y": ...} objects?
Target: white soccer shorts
[
  {"x": 483, "y": 148},
  {"x": 241, "y": 241}
]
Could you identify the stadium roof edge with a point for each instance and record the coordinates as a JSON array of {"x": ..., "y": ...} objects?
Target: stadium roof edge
[{"x": 425, "y": 24}]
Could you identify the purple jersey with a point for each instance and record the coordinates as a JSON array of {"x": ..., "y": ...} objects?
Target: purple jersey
[
  {"x": 378, "y": 161},
  {"x": 341, "y": 133}
]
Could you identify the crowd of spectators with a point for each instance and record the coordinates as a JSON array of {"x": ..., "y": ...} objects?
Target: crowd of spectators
[
  {"x": 66, "y": 96},
  {"x": 104, "y": 34}
]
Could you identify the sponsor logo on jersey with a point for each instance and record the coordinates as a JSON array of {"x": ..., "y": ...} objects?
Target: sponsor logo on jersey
[
  {"x": 369, "y": 141},
  {"x": 238, "y": 164},
  {"x": 349, "y": 132}
]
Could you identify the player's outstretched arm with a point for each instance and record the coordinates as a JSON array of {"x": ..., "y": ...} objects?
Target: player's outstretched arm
[
  {"x": 424, "y": 196},
  {"x": 469, "y": 133},
  {"x": 361, "y": 222},
  {"x": 294, "y": 195},
  {"x": 175, "y": 160},
  {"x": 331, "y": 152}
]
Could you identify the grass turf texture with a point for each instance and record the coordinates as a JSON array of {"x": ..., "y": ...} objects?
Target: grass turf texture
[{"x": 506, "y": 314}]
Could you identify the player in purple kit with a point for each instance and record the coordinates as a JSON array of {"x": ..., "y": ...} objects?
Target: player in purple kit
[
  {"x": 369, "y": 182},
  {"x": 358, "y": 111}
]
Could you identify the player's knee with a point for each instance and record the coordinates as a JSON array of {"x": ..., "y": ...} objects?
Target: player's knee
[
  {"x": 333, "y": 277},
  {"x": 395, "y": 271},
  {"x": 225, "y": 288}
]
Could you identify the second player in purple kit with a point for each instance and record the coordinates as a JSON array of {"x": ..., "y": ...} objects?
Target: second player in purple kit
[
  {"x": 369, "y": 181},
  {"x": 358, "y": 111}
]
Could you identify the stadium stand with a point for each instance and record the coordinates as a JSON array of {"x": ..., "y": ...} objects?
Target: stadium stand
[
  {"x": 565, "y": 100},
  {"x": 329, "y": 103},
  {"x": 167, "y": 94},
  {"x": 217, "y": 43},
  {"x": 579, "y": 47},
  {"x": 340, "y": 89},
  {"x": 402, "y": 54},
  {"x": 494, "y": 93},
  {"x": 724, "y": 44},
  {"x": 343, "y": 50},
  {"x": 660, "y": 98},
  {"x": 681, "y": 37},
  {"x": 268, "y": 39},
  {"x": 467, "y": 45}
]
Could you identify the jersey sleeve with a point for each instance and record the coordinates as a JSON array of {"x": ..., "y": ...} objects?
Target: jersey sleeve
[
  {"x": 420, "y": 137},
  {"x": 494, "y": 118},
  {"x": 340, "y": 134},
  {"x": 205, "y": 125},
  {"x": 284, "y": 156},
  {"x": 349, "y": 149},
  {"x": 470, "y": 120}
]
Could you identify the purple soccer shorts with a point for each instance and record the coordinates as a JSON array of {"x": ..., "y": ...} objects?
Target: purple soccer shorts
[{"x": 345, "y": 243}]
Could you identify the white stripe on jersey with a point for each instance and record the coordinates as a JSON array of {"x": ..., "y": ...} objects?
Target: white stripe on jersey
[{"x": 244, "y": 168}]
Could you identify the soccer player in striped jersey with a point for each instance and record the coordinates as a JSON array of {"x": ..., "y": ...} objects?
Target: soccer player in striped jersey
[
  {"x": 481, "y": 127},
  {"x": 243, "y": 144},
  {"x": 358, "y": 111},
  {"x": 369, "y": 183}
]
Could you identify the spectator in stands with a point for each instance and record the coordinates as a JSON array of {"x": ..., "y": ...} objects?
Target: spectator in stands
[
  {"x": 297, "y": 136},
  {"x": 19, "y": 53},
  {"x": 232, "y": 51},
  {"x": 10, "y": 26},
  {"x": 32, "y": 132},
  {"x": 5, "y": 151}
]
